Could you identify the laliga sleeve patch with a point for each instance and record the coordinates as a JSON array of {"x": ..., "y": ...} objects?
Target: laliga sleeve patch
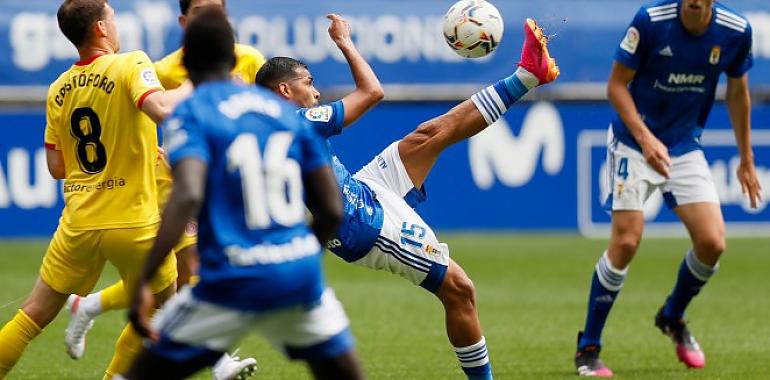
[
  {"x": 630, "y": 41},
  {"x": 149, "y": 78},
  {"x": 322, "y": 114}
]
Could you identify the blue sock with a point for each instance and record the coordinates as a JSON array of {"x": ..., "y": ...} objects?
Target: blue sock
[
  {"x": 605, "y": 286},
  {"x": 474, "y": 360},
  {"x": 693, "y": 274},
  {"x": 494, "y": 100}
]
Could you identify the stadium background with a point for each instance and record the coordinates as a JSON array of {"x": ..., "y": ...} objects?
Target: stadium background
[
  {"x": 536, "y": 174},
  {"x": 538, "y": 169}
]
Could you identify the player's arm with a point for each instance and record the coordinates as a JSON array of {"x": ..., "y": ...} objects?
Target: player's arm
[
  {"x": 368, "y": 90},
  {"x": 159, "y": 105},
  {"x": 55, "y": 161},
  {"x": 183, "y": 204},
  {"x": 324, "y": 202},
  {"x": 654, "y": 151},
  {"x": 739, "y": 107}
]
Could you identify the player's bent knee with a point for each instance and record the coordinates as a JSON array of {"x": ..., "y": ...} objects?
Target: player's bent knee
[
  {"x": 457, "y": 288},
  {"x": 713, "y": 246}
]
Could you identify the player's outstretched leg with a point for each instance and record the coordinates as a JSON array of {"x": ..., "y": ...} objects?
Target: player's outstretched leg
[
  {"x": 458, "y": 295},
  {"x": 420, "y": 149}
]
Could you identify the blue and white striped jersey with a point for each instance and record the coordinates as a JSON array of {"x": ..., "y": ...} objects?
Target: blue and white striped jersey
[{"x": 677, "y": 73}]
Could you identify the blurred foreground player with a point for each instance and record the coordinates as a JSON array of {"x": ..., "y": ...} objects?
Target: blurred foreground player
[
  {"x": 242, "y": 156},
  {"x": 101, "y": 139},
  {"x": 662, "y": 86},
  {"x": 381, "y": 230},
  {"x": 83, "y": 310}
]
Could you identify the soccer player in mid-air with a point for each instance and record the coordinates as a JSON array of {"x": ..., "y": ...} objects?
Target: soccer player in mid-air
[
  {"x": 662, "y": 86},
  {"x": 381, "y": 230},
  {"x": 83, "y": 310},
  {"x": 245, "y": 159},
  {"x": 101, "y": 140}
]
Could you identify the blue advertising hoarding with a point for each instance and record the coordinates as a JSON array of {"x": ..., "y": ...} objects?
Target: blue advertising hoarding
[
  {"x": 401, "y": 38},
  {"x": 536, "y": 169}
]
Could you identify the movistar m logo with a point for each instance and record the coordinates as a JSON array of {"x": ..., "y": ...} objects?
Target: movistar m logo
[{"x": 685, "y": 78}]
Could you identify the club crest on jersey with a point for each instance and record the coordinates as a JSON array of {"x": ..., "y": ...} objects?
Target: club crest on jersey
[
  {"x": 631, "y": 40},
  {"x": 323, "y": 114},
  {"x": 149, "y": 78},
  {"x": 714, "y": 56}
]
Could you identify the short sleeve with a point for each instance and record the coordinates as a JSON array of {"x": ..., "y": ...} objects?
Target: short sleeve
[
  {"x": 744, "y": 60},
  {"x": 634, "y": 45},
  {"x": 327, "y": 120},
  {"x": 170, "y": 70},
  {"x": 184, "y": 137},
  {"x": 314, "y": 151},
  {"x": 51, "y": 139},
  {"x": 252, "y": 62},
  {"x": 141, "y": 78}
]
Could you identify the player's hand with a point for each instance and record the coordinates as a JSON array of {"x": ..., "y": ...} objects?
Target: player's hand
[
  {"x": 656, "y": 155},
  {"x": 139, "y": 314},
  {"x": 339, "y": 30},
  {"x": 750, "y": 186}
]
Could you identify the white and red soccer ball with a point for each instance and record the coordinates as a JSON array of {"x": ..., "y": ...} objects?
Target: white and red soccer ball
[{"x": 473, "y": 28}]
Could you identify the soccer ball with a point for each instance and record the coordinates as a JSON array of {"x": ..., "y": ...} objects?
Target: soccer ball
[{"x": 473, "y": 28}]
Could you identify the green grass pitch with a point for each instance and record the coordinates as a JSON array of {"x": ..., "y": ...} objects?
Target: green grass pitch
[{"x": 532, "y": 293}]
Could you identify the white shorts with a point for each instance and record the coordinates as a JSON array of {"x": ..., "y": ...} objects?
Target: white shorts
[
  {"x": 407, "y": 246},
  {"x": 632, "y": 180},
  {"x": 192, "y": 329}
]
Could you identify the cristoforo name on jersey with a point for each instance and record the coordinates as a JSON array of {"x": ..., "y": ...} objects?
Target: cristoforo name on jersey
[{"x": 84, "y": 80}]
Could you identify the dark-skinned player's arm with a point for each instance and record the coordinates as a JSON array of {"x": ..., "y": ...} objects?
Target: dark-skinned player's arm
[
  {"x": 183, "y": 204},
  {"x": 323, "y": 199}
]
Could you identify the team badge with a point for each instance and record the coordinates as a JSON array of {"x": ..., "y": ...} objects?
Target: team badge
[
  {"x": 630, "y": 41},
  {"x": 714, "y": 56},
  {"x": 149, "y": 78},
  {"x": 323, "y": 114}
]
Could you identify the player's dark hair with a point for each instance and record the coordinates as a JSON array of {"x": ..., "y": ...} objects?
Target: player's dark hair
[
  {"x": 209, "y": 45},
  {"x": 77, "y": 17},
  {"x": 277, "y": 70},
  {"x": 184, "y": 6}
]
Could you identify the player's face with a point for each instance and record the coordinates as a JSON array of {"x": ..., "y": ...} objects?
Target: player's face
[
  {"x": 697, "y": 8},
  {"x": 300, "y": 89},
  {"x": 195, "y": 7}
]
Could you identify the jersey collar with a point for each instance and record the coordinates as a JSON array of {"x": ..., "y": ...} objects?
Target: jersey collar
[{"x": 87, "y": 61}]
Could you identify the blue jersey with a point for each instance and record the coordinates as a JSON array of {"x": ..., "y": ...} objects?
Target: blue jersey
[
  {"x": 256, "y": 249},
  {"x": 363, "y": 213},
  {"x": 677, "y": 73}
]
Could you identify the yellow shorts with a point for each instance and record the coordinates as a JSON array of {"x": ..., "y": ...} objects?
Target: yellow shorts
[
  {"x": 75, "y": 258},
  {"x": 165, "y": 183}
]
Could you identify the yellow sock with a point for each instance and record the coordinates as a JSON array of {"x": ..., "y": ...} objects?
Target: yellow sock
[
  {"x": 126, "y": 348},
  {"x": 194, "y": 279},
  {"x": 14, "y": 338},
  {"x": 115, "y": 297}
]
